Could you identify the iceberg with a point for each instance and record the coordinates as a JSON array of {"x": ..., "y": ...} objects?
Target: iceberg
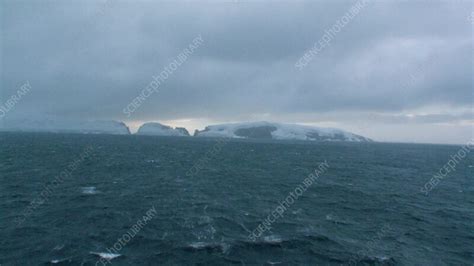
[{"x": 278, "y": 131}]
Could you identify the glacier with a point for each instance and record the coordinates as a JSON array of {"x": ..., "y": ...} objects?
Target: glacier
[{"x": 278, "y": 131}]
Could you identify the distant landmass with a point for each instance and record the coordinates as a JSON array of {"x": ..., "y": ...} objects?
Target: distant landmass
[
  {"x": 157, "y": 129},
  {"x": 66, "y": 126},
  {"x": 278, "y": 131},
  {"x": 247, "y": 130}
]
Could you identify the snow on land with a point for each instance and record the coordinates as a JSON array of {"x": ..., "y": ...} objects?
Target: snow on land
[{"x": 281, "y": 132}]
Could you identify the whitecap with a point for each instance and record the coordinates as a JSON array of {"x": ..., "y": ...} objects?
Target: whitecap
[
  {"x": 272, "y": 239},
  {"x": 107, "y": 256},
  {"x": 58, "y": 247},
  {"x": 89, "y": 190},
  {"x": 56, "y": 261},
  {"x": 199, "y": 245},
  {"x": 273, "y": 262},
  {"x": 382, "y": 258},
  {"x": 223, "y": 247},
  {"x": 298, "y": 211}
]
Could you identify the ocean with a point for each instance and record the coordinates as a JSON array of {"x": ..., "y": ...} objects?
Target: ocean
[{"x": 69, "y": 199}]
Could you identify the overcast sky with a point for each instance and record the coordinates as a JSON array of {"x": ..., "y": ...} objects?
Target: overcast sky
[{"x": 397, "y": 71}]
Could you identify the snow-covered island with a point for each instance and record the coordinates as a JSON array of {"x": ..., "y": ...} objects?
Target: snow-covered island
[
  {"x": 278, "y": 131},
  {"x": 157, "y": 129},
  {"x": 246, "y": 130},
  {"x": 66, "y": 126}
]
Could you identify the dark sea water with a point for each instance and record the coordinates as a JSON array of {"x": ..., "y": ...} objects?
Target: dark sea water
[{"x": 366, "y": 209}]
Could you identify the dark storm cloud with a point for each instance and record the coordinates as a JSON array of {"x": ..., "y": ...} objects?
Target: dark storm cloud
[{"x": 89, "y": 60}]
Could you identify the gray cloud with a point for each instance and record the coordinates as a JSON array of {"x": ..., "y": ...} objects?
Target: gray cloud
[{"x": 90, "y": 59}]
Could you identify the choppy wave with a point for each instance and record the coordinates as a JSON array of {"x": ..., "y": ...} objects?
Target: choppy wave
[
  {"x": 215, "y": 246},
  {"x": 207, "y": 219}
]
